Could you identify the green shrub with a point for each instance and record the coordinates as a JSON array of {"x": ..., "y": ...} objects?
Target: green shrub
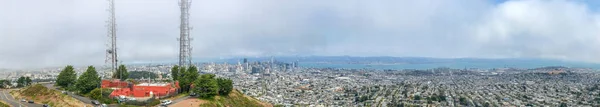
[{"x": 154, "y": 103}]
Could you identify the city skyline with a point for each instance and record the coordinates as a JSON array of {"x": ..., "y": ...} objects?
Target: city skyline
[{"x": 56, "y": 33}]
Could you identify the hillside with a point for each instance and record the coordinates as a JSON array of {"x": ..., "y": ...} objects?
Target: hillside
[
  {"x": 4, "y": 104},
  {"x": 43, "y": 95},
  {"x": 235, "y": 99}
]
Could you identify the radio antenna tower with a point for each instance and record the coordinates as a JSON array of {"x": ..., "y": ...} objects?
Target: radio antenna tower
[
  {"x": 185, "y": 50},
  {"x": 111, "y": 51}
]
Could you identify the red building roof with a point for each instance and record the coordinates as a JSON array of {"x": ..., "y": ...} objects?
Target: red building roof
[{"x": 141, "y": 90}]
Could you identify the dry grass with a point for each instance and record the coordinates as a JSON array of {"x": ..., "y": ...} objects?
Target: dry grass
[
  {"x": 4, "y": 104},
  {"x": 43, "y": 95},
  {"x": 235, "y": 99},
  {"x": 190, "y": 102}
]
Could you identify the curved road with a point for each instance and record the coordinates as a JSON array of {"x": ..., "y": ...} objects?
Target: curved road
[
  {"x": 80, "y": 98},
  {"x": 173, "y": 102},
  {"x": 6, "y": 97}
]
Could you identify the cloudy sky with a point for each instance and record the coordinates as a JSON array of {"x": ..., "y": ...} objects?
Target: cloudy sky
[{"x": 43, "y": 33}]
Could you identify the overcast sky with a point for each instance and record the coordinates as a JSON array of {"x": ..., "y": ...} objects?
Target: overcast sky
[{"x": 43, "y": 33}]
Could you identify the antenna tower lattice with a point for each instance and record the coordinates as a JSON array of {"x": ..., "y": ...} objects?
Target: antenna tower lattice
[
  {"x": 185, "y": 49},
  {"x": 111, "y": 51}
]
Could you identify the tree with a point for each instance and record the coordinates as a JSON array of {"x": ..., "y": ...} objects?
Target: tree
[
  {"x": 225, "y": 86},
  {"x": 95, "y": 94},
  {"x": 102, "y": 95},
  {"x": 27, "y": 81},
  {"x": 121, "y": 73},
  {"x": 206, "y": 86},
  {"x": 175, "y": 72},
  {"x": 182, "y": 71},
  {"x": 21, "y": 82},
  {"x": 67, "y": 77},
  {"x": 462, "y": 100},
  {"x": 442, "y": 97},
  {"x": 487, "y": 104},
  {"x": 417, "y": 97},
  {"x": 88, "y": 81},
  {"x": 142, "y": 74},
  {"x": 563, "y": 104},
  {"x": 190, "y": 75},
  {"x": 4, "y": 83}
]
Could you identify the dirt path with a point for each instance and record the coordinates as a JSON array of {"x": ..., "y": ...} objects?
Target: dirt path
[{"x": 190, "y": 102}]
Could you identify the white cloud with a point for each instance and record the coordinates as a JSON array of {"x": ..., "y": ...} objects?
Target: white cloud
[
  {"x": 42, "y": 33},
  {"x": 547, "y": 29}
]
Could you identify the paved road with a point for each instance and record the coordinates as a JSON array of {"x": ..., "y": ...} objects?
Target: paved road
[
  {"x": 181, "y": 99},
  {"x": 5, "y": 95},
  {"x": 9, "y": 99},
  {"x": 178, "y": 100},
  {"x": 80, "y": 98}
]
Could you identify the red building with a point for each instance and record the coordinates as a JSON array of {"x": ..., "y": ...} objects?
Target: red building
[
  {"x": 141, "y": 90},
  {"x": 114, "y": 84}
]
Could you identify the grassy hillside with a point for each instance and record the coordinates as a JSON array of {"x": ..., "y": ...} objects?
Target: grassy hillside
[
  {"x": 43, "y": 95},
  {"x": 3, "y": 104},
  {"x": 235, "y": 99}
]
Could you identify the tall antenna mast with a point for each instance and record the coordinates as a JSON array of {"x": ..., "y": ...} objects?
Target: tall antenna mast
[
  {"x": 185, "y": 50},
  {"x": 111, "y": 51}
]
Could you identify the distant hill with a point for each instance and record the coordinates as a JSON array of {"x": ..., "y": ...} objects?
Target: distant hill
[{"x": 387, "y": 62}]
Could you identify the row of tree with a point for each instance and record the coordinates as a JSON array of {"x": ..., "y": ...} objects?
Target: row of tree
[
  {"x": 204, "y": 85},
  {"x": 5, "y": 84},
  {"x": 184, "y": 76},
  {"x": 142, "y": 75},
  {"x": 86, "y": 82},
  {"x": 208, "y": 86},
  {"x": 23, "y": 81}
]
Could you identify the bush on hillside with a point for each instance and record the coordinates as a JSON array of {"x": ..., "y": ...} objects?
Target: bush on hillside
[
  {"x": 236, "y": 99},
  {"x": 102, "y": 95},
  {"x": 3, "y": 105},
  {"x": 206, "y": 86},
  {"x": 225, "y": 86},
  {"x": 36, "y": 90}
]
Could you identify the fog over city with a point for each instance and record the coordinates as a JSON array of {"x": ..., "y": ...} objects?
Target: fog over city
[{"x": 49, "y": 33}]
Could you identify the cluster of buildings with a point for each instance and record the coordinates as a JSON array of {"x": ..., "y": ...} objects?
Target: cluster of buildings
[
  {"x": 287, "y": 84},
  {"x": 551, "y": 86}
]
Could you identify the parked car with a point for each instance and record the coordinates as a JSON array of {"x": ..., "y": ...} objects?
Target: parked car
[
  {"x": 95, "y": 102},
  {"x": 193, "y": 94},
  {"x": 30, "y": 101},
  {"x": 23, "y": 100},
  {"x": 166, "y": 102},
  {"x": 46, "y": 105}
]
